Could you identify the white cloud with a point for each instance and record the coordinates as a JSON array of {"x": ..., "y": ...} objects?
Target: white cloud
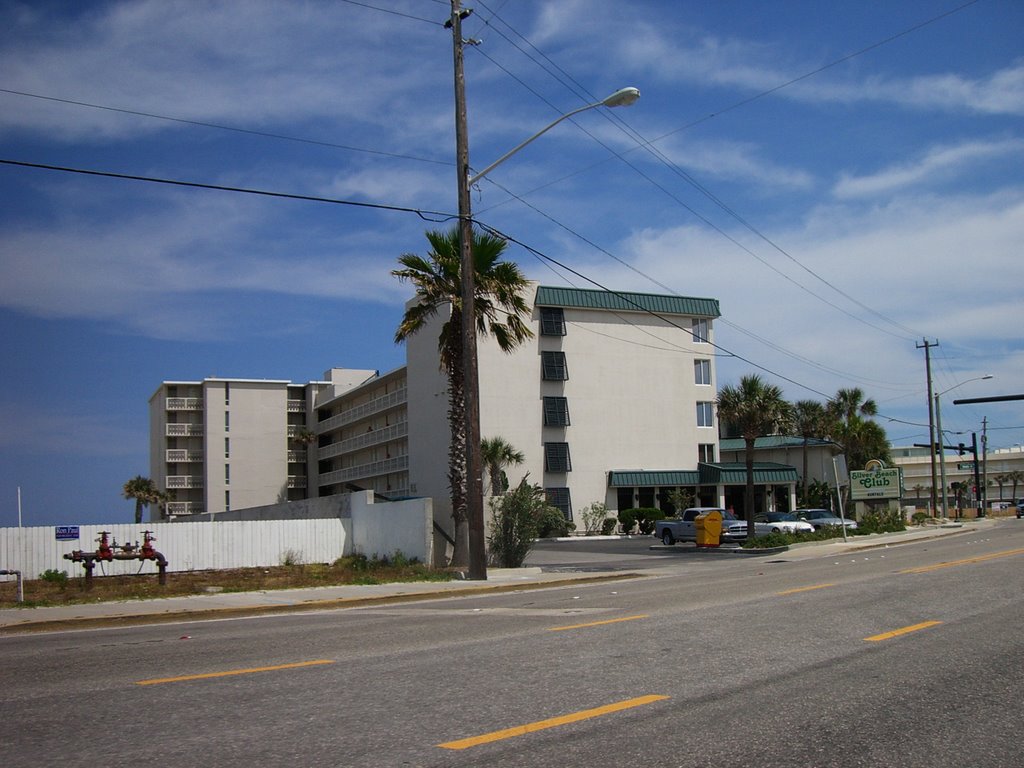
[{"x": 938, "y": 162}]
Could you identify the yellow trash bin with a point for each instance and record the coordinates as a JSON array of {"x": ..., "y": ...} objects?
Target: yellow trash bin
[{"x": 708, "y": 528}]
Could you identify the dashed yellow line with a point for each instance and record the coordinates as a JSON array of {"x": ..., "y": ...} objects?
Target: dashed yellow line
[
  {"x": 903, "y": 631},
  {"x": 967, "y": 561},
  {"x": 540, "y": 725},
  {"x": 597, "y": 623},
  {"x": 230, "y": 672},
  {"x": 804, "y": 589}
]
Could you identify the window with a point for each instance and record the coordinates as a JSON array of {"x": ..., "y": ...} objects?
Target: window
[
  {"x": 227, "y": 474},
  {"x": 701, "y": 371},
  {"x": 552, "y": 321},
  {"x": 706, "y": 453},
  {"x": 559, "y": 499},
  {"x": 227, "y": 501},
  {"x": 227, "y": 447},
  {"x": 556, "y": 412},
  {"x": 553, "y": 365},
  {"x": 227, "y": 393},
  {"x": 700, "y": 330},
  {"x": 556, "y": 457},
  {"x": 227, "y": 421},
  {"x": 705, "y": 414}
]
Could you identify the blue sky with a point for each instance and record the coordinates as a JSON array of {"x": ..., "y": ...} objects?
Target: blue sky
[{"x": 847, "y": 179}]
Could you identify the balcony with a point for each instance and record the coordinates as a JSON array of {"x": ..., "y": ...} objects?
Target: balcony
[
  {"x": 296, "y": 481},
  {"x": 184, "y": 404},
  {"x": 359, "y": 412},
  {"x": 184, "y": 481},
  {"x": 296, "y": 406},
  {"x": 297, "y": 457},
  {"x": 184, "y": 430},
  {"x": 185, "y": 508},
  {"x": 385, "y": 467},
  {"x": 182, "y": 455},
  {"x": 365, "y": 440}
]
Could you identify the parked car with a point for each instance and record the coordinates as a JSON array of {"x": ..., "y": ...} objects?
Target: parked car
[
  {"x": 820, "y": 518},
  {"x": 684, "y": 527},
  {"x": 781, "y": 522},
  {"x": 1020, "y": 508}
]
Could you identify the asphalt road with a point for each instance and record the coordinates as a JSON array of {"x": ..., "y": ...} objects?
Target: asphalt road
[{"x": 908, "y": 656}]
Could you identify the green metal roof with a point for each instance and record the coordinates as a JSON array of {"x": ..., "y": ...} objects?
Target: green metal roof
[
  {"x": 641, "y": 478},
  {"x": 772, "y": 441},
  {"x": 662, "y": 304},
  {"x": 765, "y": 473}
]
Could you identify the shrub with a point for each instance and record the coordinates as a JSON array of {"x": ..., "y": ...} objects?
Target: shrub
[
  {"x": 551, "y": 522},
  {"x": 291, "y": 557},
  {"x": 627, "y": 519},
  {"x": 514, "y": 524},
  {"x": 918, "y": 518},
  {"x": 646, "y": 517},
  {"x": 593, "y": 517},
  {"x": 881, "y": 521},
  {"x": 608, "y": 526},
  {"x": 55, "y": 577}
]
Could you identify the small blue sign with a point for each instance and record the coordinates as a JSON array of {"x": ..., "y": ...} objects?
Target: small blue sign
[{"x": 66, "y": 532}]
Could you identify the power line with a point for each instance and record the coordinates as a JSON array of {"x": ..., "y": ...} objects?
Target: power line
[
  {"x": 221, "y": 127},
  {"x": 431, "y": 216}
]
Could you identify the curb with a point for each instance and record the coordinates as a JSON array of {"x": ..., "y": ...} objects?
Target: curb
[{"x": 206, "y": 614}]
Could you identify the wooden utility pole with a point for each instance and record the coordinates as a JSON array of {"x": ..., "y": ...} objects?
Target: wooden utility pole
[
  {"x": 471, "y": 378},
  {"x": 931, "y": 417}
]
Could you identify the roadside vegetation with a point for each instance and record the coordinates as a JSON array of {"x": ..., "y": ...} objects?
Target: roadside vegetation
[
  {"x": 59, "y": 588},
  {"x": 873, "y": 522}
]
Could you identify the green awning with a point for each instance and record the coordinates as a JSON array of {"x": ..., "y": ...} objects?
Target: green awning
[
  {"x": 765, "y": 473},
  {"x": 621, "y": 301}
]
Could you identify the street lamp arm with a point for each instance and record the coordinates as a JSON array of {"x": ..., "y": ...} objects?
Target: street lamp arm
[{"x": 621, "y": 98}]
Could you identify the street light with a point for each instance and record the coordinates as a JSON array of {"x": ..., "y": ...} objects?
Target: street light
[
  {"x": 942, "y": 440},
  {"x": 621, "y": 98},
  {"x": 471, "y": 378}
]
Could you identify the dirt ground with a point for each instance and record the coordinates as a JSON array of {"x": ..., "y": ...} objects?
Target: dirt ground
[{"x": 56, "y": 590}]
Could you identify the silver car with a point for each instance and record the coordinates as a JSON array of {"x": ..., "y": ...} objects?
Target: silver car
[{"x": 821, "y": 518}]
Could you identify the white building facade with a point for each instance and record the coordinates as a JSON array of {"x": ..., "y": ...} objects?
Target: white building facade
[{"x": 611, "y": 401}]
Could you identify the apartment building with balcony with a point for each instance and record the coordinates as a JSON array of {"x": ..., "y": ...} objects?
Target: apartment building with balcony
[{"x": 611, "y": 401}]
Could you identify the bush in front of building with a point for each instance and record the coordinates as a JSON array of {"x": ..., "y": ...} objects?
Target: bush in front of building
[
  {"x": 627, "y": 519},
  {"x": 608, "y": 526},
  {"x": 646, "y": 518},
  {"x": 514, "y": 519}
]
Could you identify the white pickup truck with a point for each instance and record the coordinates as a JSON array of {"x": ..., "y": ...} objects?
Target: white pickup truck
[{"x": 683, "y": 527}]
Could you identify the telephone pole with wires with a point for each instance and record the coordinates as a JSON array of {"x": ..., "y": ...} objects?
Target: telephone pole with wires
[{"x": 927, "y": 345}]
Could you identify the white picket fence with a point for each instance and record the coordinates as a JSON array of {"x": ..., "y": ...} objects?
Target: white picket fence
[{"x": 187, "y": 546}]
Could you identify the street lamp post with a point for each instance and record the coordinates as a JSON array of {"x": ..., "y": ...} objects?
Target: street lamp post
[
  {"x": 942, "y": 440},
  {"x": 471, "y": 378}
]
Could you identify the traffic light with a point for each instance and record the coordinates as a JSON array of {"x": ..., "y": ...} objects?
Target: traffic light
[{"x": 961, "y": 448}]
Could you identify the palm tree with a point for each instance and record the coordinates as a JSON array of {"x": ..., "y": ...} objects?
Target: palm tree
[
  {"x": 850, "y": 426},
  {"x": 753, "y": 409},
  {"x": 808, "y": 421},
  {"x": 144, "y": 492},
  {"x": 497, "y": 454},
  {"x": 1016, "y": 477},
  {"x": 499, "y": 307}
]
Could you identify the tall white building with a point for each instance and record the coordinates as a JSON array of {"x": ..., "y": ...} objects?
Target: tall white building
[{"x": 611, "y": 401}]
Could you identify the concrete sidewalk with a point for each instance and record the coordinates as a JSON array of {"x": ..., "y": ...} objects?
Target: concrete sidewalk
[{"x": 238, "y": 604}]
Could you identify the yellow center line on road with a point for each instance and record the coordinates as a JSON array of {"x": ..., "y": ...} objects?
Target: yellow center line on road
[
  {"x": 597, "y": 623},
  {"x": 540, "y": 725},
  {"x": 903, "y": 631},
  {"x": 967, "y": 561},
  {"x": 804, "y": 589},
  {"x": 230, "y": 672}
]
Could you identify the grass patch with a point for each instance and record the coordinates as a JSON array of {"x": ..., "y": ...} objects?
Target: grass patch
[{"x": 356, "y": 569}]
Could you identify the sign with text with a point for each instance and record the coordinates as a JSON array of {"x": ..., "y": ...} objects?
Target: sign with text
[
  {"x": 876, "y": 484},
  {"x": 66, "y": 532}
]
